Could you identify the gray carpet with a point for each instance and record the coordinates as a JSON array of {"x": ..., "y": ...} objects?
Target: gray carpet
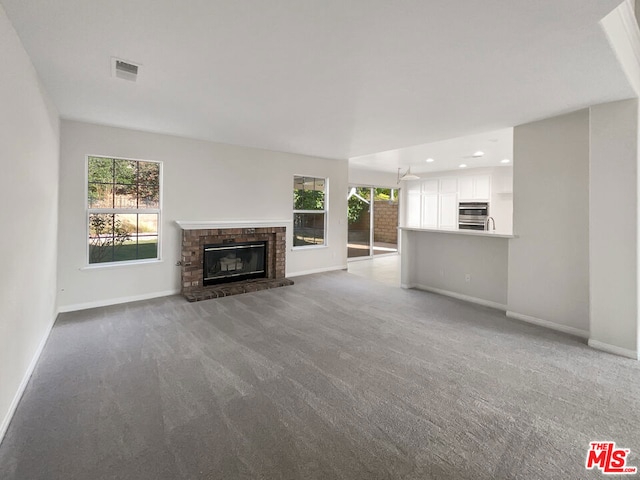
[{"x": 336, "y": 377}]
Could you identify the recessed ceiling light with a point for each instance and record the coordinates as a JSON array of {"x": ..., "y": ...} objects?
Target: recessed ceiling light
[
  {"x": 479, "y": 153},
  {"x": 463, "y": 165},
  {"x": 506, "y": 160},
  {"x": 429, "y": 160}
]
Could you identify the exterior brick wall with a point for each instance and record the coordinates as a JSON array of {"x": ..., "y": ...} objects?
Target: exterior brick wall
[
  {"x": 385, "y": 221},
  {"x": 193, "y": 242}
]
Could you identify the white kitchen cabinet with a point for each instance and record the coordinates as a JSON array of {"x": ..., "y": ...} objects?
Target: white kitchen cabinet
[
  {"x": 412, "y": 218},
  {"x": 448, "y": 210},
  {"x": 430, "y": 186},
  {"x": 430, "y": 210},
  {"x": 482, "y": 187},
  {"x": 474, "y": 187},
  {"x": 465, "y": 188},
  {"x": 449, "y": 185}
]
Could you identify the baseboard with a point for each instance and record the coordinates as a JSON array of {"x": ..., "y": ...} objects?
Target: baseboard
[
  {"x": 317, "y": 270},
  {"x": 4, "y": 426},
  {"x": 606, "y": 347},
  {"x": 460, "y": 296},
  {"x": 576, "y": 332},
  {"x": 116, "y": 301},
  {"x": 408, "y": 286}
]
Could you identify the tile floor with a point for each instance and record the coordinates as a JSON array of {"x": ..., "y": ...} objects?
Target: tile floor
[{"x": 382, "y": 269}]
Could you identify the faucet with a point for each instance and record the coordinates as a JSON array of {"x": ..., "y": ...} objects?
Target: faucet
[{"x": 486, "y": 223}]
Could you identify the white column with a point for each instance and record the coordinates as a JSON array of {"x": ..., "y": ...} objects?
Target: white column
[{"x": 614, "y": 227}]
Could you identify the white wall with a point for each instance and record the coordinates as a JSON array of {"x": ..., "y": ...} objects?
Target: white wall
[
  {"x": 202, "y": 181},
  {"x": 613, "y": 233},
  {"x": 359, "y": 176},
  {"x": 440, "y": 262},
  {"x": 29, "y": 134},
  {"x": 549, "y": 261}
]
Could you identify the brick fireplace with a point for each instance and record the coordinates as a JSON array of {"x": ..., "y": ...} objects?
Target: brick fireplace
[{"x": 197, "y": 235}]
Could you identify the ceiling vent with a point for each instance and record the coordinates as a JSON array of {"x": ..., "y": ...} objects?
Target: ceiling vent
[{"x": 124, "y": 70}]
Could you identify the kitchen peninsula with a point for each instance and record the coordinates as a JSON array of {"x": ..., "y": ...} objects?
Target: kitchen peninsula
[{"x": 468, "y": 264}]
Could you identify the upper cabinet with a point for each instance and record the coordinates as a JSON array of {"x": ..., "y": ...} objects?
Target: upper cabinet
[
  {"x": 465, "y": 185},
  {"x": 430, "y": 186},
  {"x": 474, "y": 187},
  {"x": 449, "y": 185}
]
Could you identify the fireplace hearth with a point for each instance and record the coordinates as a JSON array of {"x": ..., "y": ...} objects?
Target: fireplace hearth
[{"x": 218, "y": 262}]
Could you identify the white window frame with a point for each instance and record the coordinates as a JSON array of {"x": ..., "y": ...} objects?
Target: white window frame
[
  {"x": 89, "y": 211},
  {"x": 325, "y": 211}
]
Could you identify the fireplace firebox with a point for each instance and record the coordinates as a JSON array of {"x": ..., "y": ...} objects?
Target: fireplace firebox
[{"x": 233, "y": 262}]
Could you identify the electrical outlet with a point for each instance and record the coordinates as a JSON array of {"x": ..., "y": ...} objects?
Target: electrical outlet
[{"x": 467, "y": 277}]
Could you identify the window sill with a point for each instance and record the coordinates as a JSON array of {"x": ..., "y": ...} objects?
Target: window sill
[
  {"x": 308, "y": 247},
  {"x": 100, "y": 266}
]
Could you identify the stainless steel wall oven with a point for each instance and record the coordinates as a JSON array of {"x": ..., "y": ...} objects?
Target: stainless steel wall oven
[{"x": 472, "y": 215}]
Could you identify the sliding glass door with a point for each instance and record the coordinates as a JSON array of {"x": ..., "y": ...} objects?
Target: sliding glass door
[
  {"x": 359, "y": 217},
  {"x": 385, "y": 221},
  {"x": 373, "y": 221}
]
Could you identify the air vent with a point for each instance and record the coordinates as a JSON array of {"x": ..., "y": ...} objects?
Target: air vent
[{"x": 124, "y": 70}]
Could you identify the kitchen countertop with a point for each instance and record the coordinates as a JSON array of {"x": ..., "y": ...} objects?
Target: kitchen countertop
[{"x": 476, "y": 233}]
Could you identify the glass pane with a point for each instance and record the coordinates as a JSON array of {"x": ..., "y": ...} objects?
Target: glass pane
[
  {"x": 126, "y": 225},
  {"x": 122, "y": 237},
  {"x": 308, "y": 200},
  {"x": 147, "y": 224},
  {"x": 100, "y": 170},
  {"x": 359, "y": 217},
  {"x": 147, "y": 246},
  {"x": 308, "y": 193},
  {"x": 148, "y": 196},
  {"x": 308, "y": 229},
  {"x": 125, "y": 171},
  {"x": 298, "y": 183},
  {"x": 100, "y": 195},
  {"x": 382, "y": 194},
  {"x": 125, "y": 231},
  {"x": 125, "y": 196},
  {"x": 385, "y": 221},
  {"x": 100, "y": 238},
  {"x": 149, "y": 173}
]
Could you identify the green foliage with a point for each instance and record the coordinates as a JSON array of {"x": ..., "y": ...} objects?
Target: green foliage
[
  {"x": 385, "y": 194},
  {"x": 382, "y": 193},
  {"x": 356, "y": 206},
  {"x": 308, "y": 200},
  {"x": 104, "y": 234},
  {"x": 134, "y": 179}
]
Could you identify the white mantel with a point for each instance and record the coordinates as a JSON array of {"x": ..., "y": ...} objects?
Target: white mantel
[{"x": 207, "y": 224}]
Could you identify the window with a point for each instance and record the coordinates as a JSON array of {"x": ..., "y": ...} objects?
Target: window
[
  {"x": 123, "y": 211},
  {"x": 309, "y": 211}
]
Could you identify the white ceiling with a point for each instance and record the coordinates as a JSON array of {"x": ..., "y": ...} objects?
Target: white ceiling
[
  {"x": 448, "y": 154},
  {"x": 333, "y": 78}
]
